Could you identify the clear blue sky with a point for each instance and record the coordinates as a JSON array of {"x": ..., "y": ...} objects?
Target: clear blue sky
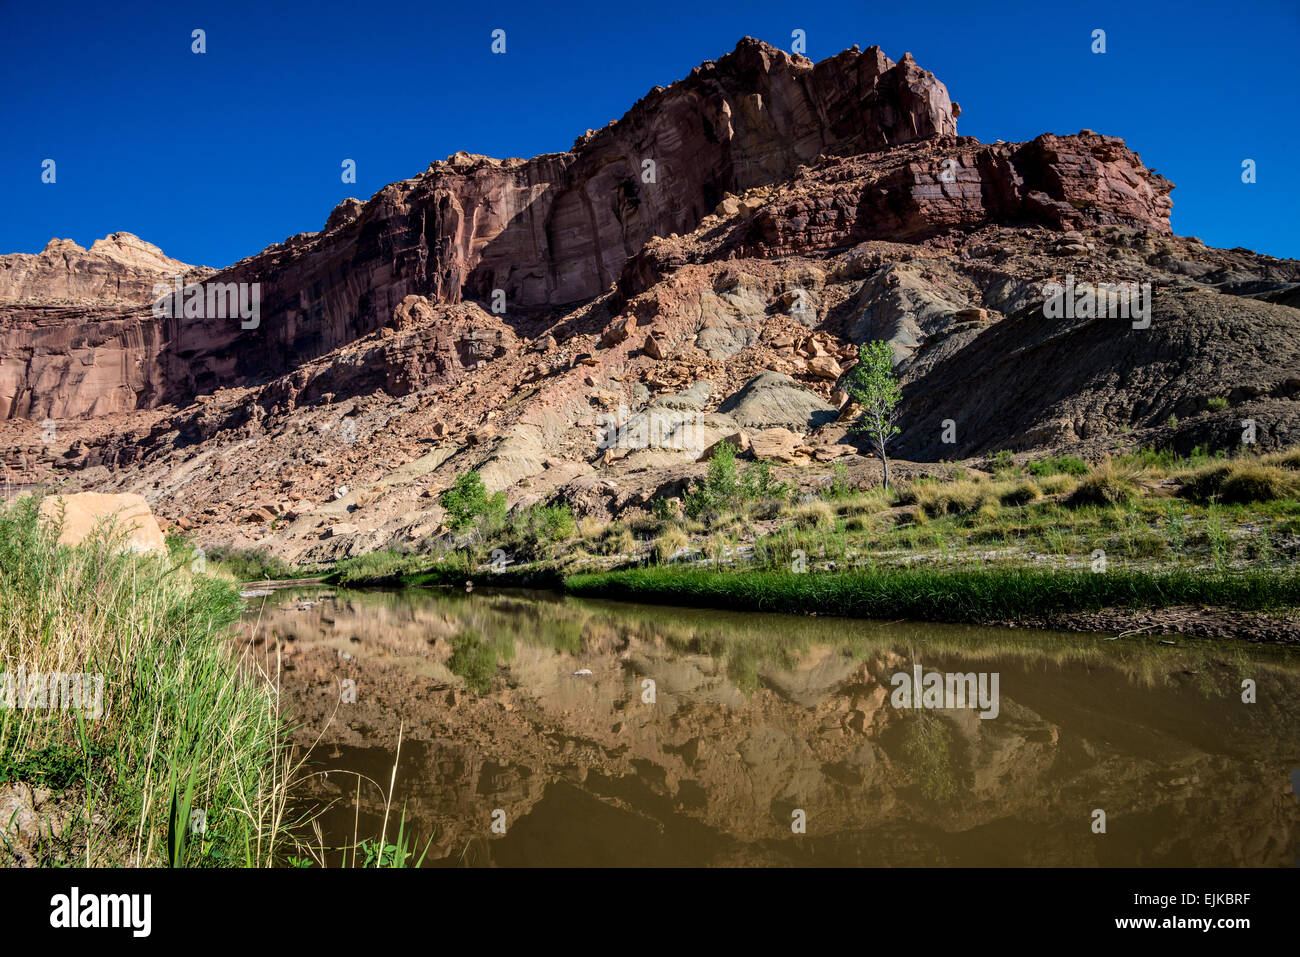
[{"x": 213, "y": 157}]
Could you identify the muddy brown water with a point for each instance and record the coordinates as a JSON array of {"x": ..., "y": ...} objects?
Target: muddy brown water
[{"x": 543, "y": 730}]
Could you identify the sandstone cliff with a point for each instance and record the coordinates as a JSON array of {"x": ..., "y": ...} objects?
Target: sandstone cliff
[{"x": 559, "y": 229}]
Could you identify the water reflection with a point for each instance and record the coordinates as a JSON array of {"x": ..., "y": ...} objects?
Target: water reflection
[{"x": 607, "y": 734}]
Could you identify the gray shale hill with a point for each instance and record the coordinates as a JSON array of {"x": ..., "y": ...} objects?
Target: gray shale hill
[{"x": 796, "y": 209}]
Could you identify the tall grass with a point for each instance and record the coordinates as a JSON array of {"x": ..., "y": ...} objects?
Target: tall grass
[
  {"x": 186, "y": 724},
  {"x": 962, "y": 595}
]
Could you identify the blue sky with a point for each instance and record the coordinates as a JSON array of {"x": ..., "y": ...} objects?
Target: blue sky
[{"x": 214, "y": 156}]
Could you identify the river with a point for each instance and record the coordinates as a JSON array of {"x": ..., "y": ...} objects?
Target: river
[{"x": 537, "y": 729}]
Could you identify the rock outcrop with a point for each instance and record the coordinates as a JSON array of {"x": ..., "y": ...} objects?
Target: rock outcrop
[
  {"x": 121, "y": 267},
  {"x": 581, "y": 326},
  {"x": 872, "y": 142}
]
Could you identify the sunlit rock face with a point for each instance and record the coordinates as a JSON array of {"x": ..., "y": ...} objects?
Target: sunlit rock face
[{"x": 559, "y": 229}]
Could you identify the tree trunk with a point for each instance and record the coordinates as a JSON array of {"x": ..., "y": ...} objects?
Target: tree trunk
[{"x": 884, "y": 462}]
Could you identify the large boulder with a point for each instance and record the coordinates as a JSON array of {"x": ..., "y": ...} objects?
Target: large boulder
[{"x": 85, "y": 512}]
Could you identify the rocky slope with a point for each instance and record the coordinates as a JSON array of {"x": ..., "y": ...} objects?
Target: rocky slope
[{"x": 795, "y": 210}]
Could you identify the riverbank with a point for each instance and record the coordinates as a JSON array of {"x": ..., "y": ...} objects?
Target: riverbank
[
  {"x": 1148, "y": 540},
  {"x": 133, "y": 731}
]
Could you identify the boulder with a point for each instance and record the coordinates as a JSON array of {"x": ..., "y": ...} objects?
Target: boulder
[
  {"x": 778, "y": 445},
  {"x": 84, "y": 512}
]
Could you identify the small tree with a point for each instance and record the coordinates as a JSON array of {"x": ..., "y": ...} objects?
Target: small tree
[
  {"x": 872, "y": 384},
  {"x": 465, "y": 501},
  {"x": 721, "y": 485}
]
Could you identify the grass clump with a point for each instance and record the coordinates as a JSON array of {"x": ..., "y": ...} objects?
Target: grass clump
[
  {"x": 1021, "y": 493},
  {"x": 177, "y": 720},
  {"x": 961, "y": 497},
  {"x": 670, "y": 541},
  {"x": 1238, "y": 482},
  {"x": 1109, "y": 483}
]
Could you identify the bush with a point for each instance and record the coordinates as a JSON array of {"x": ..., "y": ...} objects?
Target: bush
[
  {"x": 1217, "y": 404},
  {"x": 529, "y": 530},
  {"x": 758, "y": 484},
  {"x": 467, "y": 500},
  {"x": 839, "y": 486},
  {"x": 1238, "y": 483},
  {"x": 1058, "y": 465},
  {"x": 1110, "y": 483},
  {"x": 721, "y": 484},
  {"x": 724, "y": 486}
]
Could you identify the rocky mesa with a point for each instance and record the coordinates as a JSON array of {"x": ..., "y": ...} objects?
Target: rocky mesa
[{"x": 587, "y": 325}]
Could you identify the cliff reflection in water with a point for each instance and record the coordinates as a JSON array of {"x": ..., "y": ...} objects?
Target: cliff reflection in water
[{"x": 697, "y": 735}]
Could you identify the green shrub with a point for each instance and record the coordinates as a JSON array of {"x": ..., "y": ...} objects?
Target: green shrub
[
  {"x": 757, "y": 484},
  {"x": 1058, "y": 465},
  {"x": 839, "y": 486},
  {"x": 467, "y": 500},
  {"x": 720, "y": 487},
  {"x": 1217, "y": 404}
]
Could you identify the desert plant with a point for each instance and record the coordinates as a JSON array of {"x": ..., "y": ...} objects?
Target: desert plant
[
  {"x": 873, "y": 386},
  {"x": 1109, "y": 483},
  {"x": 1057, "y": 465}
]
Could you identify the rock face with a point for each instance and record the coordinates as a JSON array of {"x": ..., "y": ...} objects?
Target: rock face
[
  {"x": 561, "y": 228},
  {"x": 586, "y": 327},
  {"x": 120, "y": 267},
  {"x": 774, "y": 400},
  {"x": 86, "y": 513}
]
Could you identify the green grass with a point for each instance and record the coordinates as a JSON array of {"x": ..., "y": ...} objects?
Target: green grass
[
  {"x": 183, "y": 720},
  {"x": 377, "y": 566},
  {"x": 973, "y": 595},
  {"x": 247, "y": 564}
]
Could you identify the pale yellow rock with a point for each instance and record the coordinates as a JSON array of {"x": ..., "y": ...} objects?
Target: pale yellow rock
[{"x": 84, "y": 512}]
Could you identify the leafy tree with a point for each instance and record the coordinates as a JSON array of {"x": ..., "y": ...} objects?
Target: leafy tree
[
  {"x": 872, "y": 384},
  {"x": 721, "y": 485},
  {"x": 466, "y": 500}
]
